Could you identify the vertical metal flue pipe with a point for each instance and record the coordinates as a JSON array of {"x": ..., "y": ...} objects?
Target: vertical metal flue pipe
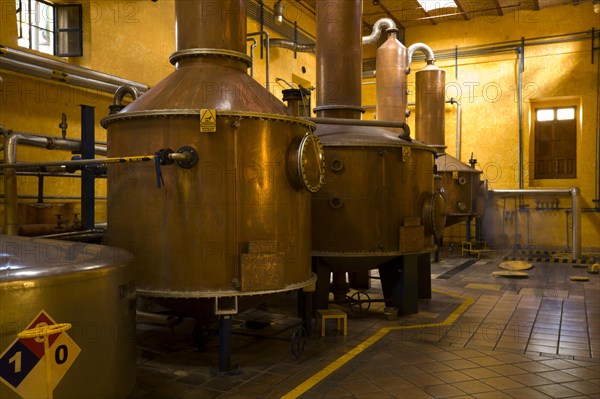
[
  {"x": 211, "y": 24},
  {"x": 339, "y": 59},
  {"x": 11, "y": 211}
]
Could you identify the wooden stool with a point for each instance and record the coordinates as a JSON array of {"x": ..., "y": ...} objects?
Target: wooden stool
[{"x": 337, "y": 314}]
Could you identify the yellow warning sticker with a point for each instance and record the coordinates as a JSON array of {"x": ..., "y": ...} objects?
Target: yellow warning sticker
[{"x": 208, "y": 120}]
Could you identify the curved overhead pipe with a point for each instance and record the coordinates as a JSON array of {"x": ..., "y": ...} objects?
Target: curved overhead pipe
[
  {"x": 290, "y": 45},
  {"x": 378, "y": 27},
  {"x": 574, "y": 192},
  {"x": 425, "y": 49}
]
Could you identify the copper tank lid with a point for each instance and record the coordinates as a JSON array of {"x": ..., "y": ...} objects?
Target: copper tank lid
[{"x": 211, "y": 64}]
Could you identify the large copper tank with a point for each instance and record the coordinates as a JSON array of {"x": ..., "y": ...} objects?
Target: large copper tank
[
  {"x": 91, "y": 287},
  {"x": 375, "y": 203},
  {"x": 460, "y": 184},
  {"x": 238, "y": 222}
]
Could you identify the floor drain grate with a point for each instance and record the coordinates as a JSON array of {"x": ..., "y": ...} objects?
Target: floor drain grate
[{"x": 544, "y": 292}]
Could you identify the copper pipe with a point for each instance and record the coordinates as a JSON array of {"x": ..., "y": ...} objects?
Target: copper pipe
[{"x": 339, "y": 59}]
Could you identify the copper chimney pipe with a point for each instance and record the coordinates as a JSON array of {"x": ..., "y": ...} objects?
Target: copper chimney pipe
[
  {"x": 211, "y": 24},
  {"x": 211, "y": 28},
  {"x": 391, "y": 81},
  {"x": 430, "y": 103},
  {"x": 339, "y": 59}
]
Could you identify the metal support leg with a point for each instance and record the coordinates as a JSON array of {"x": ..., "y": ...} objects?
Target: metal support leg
[
  {"x": 88, "y": 195},
  {"x": 399, "y": 282},
  {"x": 323, "y": 272},
  {"x": 424, "y": 270},
  {"x": 224, "y": 343}
]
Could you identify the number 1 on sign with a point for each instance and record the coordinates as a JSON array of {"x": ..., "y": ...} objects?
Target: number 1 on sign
[{"x": 16, "y": 359}]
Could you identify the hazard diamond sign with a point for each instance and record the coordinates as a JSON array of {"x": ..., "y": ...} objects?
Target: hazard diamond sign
[{"x": 33, "y": 365}]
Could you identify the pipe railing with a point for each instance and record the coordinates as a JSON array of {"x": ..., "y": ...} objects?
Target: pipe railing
[
  {"x": 11, "y": 142},
  {"x": 574, "y": 192}
]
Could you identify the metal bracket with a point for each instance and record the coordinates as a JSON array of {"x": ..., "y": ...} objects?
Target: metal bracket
[{"x": 226, "y": 305}]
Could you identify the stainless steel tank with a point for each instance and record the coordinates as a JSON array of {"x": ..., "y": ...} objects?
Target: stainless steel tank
[
  {"x": 50, "y": 283},
  {"x": 237, "y": 223}
]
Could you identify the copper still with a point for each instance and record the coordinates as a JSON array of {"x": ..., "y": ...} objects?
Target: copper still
[
  {"x": 237, "y": 224},
  {"x": 377, "y": 208},
  {"x": 460, "y": 183}
]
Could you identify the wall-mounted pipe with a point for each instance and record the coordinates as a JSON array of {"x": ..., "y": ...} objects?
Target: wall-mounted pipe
[
  {"x": 574, "y": 192},
  {"x": 267, "y": 43},
  {"x": 47, "y": 73},
  {"x": 378, "y": 27},
  {"x": 252, "y": 48},
  {"x": 65, "y": 71},
  {"x": 458, "y": 124},
  {"x": 290, "y": 45},
  {"x": 422, "y": 47}
]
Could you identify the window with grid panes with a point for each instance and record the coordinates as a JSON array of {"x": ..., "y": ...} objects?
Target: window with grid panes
[
  {"x": 556, "y": 142},
  {"x": 50, "y": 28}
]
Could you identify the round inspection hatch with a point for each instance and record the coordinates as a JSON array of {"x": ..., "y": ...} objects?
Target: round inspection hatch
[{"x": 307, "y": 163}]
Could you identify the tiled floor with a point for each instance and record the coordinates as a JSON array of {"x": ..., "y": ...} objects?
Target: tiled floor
[{"x": 480, "y": 336}]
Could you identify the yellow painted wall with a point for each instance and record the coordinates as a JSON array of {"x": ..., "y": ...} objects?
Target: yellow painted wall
[
  {"x": 129, "y": 39},
  {"x": 486, "y": 87}
]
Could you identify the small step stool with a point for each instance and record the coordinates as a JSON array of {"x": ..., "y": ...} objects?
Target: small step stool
[{"x": 337, "y": 314}]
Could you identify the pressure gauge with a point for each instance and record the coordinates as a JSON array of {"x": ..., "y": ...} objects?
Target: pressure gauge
[{"x": 307, "y": 163}]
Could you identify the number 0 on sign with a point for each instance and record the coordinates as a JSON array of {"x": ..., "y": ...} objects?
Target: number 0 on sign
[{"x": 23, "y": 365}]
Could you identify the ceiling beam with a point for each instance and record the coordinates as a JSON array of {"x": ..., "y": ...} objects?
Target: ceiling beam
[
  {"x": 390, "y": 15},
  {"x": 307, "y": 7},
  {"x": 430, "y": 18},
  {"x": 462, "y": 10},
  {"x": 498, "y": 8}
]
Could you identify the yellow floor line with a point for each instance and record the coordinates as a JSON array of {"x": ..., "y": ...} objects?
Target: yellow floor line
[{"x": 342, "y": 360}]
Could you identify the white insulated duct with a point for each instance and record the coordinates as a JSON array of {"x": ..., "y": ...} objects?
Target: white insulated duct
[
  {"x": 378, "y": 27},
  {"x": 425, "y": 49}
]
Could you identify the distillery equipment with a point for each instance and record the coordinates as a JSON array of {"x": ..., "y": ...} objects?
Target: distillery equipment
[
  {"x": 90, "y": 288},
  {"x": 378, "y": 208},
  {"x": 237, "y": 224},
  {"x": 460, "y": 184}
]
